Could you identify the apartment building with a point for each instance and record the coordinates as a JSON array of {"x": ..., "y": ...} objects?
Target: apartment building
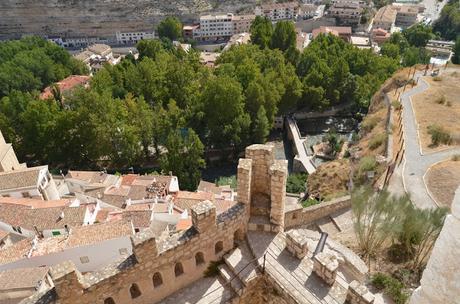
[
  {"x": 242, "y": 23},
  {"x": 346, "y": 12},
  {"x": 385, "y": 18},
  {"x": 406, "y": 15},
  {"x": 279, "y": 11},
  {"x": 215, "y": 27},
  {"x": 131, "y": 38}
]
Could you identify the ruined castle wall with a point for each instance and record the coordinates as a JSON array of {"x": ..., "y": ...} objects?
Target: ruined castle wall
[
  {"x": 304, "y": 216},
  {"x": 100, "y": 18},
  {"x": 262, "y": 157},
  {"x": 203, "y": 237}
]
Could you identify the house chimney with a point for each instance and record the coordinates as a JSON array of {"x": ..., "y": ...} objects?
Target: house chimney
[{"x": 61, "y": 216}]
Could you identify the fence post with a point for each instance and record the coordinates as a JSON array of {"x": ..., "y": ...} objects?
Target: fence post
[{"x": 263, "y": 267}]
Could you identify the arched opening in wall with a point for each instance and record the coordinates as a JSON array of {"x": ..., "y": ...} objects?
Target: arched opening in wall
[
  {"x": 134, "y": 291},
  {"x": 178, "y": 269},
  {"x": 218, "y": 247},
  {"x": 109, "y": 301},
  {"x": 199, "y": 258},
  {"x": 238, "y": 235},
  {"x": 157, "y": 280}
]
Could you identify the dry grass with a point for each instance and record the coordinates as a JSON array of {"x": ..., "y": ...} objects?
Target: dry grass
[
  {"x": 330, "y": 179},
  {"x": 442, "y": 180},
  {"x": 439, "y": 105}
]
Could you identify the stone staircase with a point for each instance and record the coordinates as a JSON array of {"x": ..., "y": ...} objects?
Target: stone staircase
[{"x": 239, "y": 268}]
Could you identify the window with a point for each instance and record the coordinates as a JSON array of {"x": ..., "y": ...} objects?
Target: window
[
  {"x": 218, "y": 247},
  {"x": 123, "y": 251},
  {"x": 84, "y": 259},
  {"x": 178, "y": 269},
  {"x": 157, "y": 280},
  {"x": 56, "y": 233},
  {"x": 134, "y": 291},
  {"x": 199, "y": 258},
  {"x": 109, "y": 301}
]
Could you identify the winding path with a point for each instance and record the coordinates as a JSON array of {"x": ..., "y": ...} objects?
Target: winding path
[{"x": 416, "y": 164}]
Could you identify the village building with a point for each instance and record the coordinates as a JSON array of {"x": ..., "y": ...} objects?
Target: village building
[
  {"x": 385, "y": 18},
  {"x": 18, "y": 284},
  {"x": 379, "y": 35},
  {"x": 346, "y": 12},
  {"x": 45, "y": 221},
  {"x": 343, "y": 32},
  {"x": 279, "y": 11},
  {"x": 66, "y": 86},
  {"x": 8, "y": 159},
  {"x": 89, "y": 247},
  {"x": 131, "y": 38}
]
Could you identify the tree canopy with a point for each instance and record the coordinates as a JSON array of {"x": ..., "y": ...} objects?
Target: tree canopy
[
  {"x": 170, "y": 28},
  {"x": 448, "y": 24}
]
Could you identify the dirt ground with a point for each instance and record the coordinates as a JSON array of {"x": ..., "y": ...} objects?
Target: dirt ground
[
  {"x": 442, "y": 180},
  {"x": 439, "y": 105},
  {"x": 330, "y": 179}
]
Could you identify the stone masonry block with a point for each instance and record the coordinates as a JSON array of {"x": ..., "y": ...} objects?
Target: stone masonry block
[{"x": 204, "y": 216}]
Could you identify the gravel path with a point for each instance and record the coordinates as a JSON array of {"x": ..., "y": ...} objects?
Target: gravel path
[{"x": 416, "y": 163}]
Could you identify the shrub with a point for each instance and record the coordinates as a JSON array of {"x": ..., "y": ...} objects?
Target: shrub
[
  {"x": 310, "y": 202},
  {"x": 213, "y": 268},
  {"x": 437, "y": 78},
  {"x": 227, "y": 180},
  {"x": 441, "y": 100},
  {"x": 369, "y": 123},
  {"x": 439, "y": 135},
  {"x": 456, "y": 157},
  {"x": 296, "y": 182},
  {"x": 391, "y": 286},
  {"x": 377, "y": 140},
  {"x": 396, "y": 105},
  {"x": 449, "y": 103},
  {"x": 367, "y": 163}
]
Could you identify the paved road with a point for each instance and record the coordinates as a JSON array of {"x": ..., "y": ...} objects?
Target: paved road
[
  {"x": 416, "y": 164},
  {"x": 433, "y": 8}
]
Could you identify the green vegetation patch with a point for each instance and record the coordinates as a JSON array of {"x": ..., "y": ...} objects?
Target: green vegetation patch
[{"x": 296, "y": 183}]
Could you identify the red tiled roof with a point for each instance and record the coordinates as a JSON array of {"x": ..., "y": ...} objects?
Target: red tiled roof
[
  {"x": 65, "y": 85},
  {"x": 186, "y": 199},
  {"x": 183, "y": 224}
]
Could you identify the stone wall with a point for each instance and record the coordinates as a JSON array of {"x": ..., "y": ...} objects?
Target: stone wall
[
  {"x": 304, "y": 216},
  {"x": 157, "y": 268},
  {"x": 100, "y": 18},
  {"x": 262, "y": 185},
  {"x": 441, "y": 278}
]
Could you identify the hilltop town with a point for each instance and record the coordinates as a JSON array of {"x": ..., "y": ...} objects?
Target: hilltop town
[{"x": 229, "y": 152}]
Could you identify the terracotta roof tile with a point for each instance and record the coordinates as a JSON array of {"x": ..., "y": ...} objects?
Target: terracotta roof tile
[
  {"x": 23, "y": 178},
  {"x": 186, "y": 199},
  {"x": 139, "y": 218},
  {"x": 22, "y": 277},
  {"x": 66, "y": 84}
]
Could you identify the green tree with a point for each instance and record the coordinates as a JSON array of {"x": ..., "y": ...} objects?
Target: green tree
[
  {"x": 261, "y": 127},
  {"x": 284, "y": 36},
  {"x": 149, "y": 48},
  {"x": 418, "y": 35},
  {"x": 448, "y": 24},
  {"x": 261, "y": 32},
  {"x": 456, "y": 56},
  {"x": 184, "y": 157},
  {"x": 170, "y": 28},
  {"x": 391, "y": 50},
  {"x": 226, "y": 121}
]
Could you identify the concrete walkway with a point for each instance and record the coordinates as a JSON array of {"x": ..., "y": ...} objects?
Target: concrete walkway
[
  {"x": 300, "y": 148},
  {"x": 416, "y": 164}
]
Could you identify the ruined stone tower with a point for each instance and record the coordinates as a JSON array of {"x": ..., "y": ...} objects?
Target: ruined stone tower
[{"x": 262, "y": 187}]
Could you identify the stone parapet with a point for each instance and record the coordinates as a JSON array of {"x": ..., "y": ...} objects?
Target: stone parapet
[
  {"x": 302, "y": 217},
  {"x": 144, "y": 245},
  {"x": 359, "y": 294},
  {"x": 297, "y": 243},
  {"x": 244, "y": 181},
  {"x": 278, "y": 176},
  {"x": 67, "y": 281},
  {"x": 325, "y": 266},
  {"x": 204, "y": 216}
]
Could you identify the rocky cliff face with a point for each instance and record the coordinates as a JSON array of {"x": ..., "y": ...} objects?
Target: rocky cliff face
[{"x": 100, "y": 18}]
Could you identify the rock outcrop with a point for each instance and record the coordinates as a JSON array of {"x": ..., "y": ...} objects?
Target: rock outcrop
[{"x": 100, "y": 18}]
